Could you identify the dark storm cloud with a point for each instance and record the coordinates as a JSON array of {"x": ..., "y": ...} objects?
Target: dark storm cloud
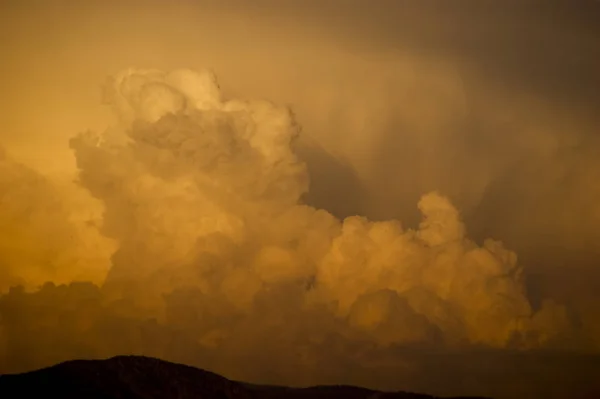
[{"x": 550, "y": 48}]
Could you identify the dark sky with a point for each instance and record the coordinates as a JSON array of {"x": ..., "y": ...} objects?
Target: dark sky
[{"x": 549, "y": 48}]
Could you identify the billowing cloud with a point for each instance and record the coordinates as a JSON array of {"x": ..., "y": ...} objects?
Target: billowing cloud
[
  {"x": 217, "y": 259},
  {"x": 44, "y": 236}
]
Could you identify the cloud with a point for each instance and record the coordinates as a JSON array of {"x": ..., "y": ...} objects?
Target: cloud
[
  {"x": 217, "y": 260},
  {"x": 395, "y": 102},
  {"x": 44, "y": 236}
]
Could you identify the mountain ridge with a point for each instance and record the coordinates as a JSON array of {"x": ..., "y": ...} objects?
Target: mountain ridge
[{"x": 141, "y": 377}]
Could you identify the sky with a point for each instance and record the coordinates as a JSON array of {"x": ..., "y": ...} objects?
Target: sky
[{"x": 396, "y": 194}]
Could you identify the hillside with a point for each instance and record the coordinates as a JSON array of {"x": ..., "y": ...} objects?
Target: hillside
[{"x": 137, "y": 377}]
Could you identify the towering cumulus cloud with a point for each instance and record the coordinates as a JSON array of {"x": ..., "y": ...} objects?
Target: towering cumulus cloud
[{"x": 218, "y": 262}]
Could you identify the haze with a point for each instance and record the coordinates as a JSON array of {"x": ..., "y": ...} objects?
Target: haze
[{"x": 396, "y": 194}]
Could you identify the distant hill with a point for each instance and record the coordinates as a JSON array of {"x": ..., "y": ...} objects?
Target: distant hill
[{"x": 138, "y": 377}]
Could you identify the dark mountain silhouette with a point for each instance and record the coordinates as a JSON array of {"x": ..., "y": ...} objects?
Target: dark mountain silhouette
[{"x": 138, "y": 377}]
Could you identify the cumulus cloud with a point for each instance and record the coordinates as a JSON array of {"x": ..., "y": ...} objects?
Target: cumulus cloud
[
  {"x": 217, "y": 260},
  {"x": 43, "y": 236}
]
